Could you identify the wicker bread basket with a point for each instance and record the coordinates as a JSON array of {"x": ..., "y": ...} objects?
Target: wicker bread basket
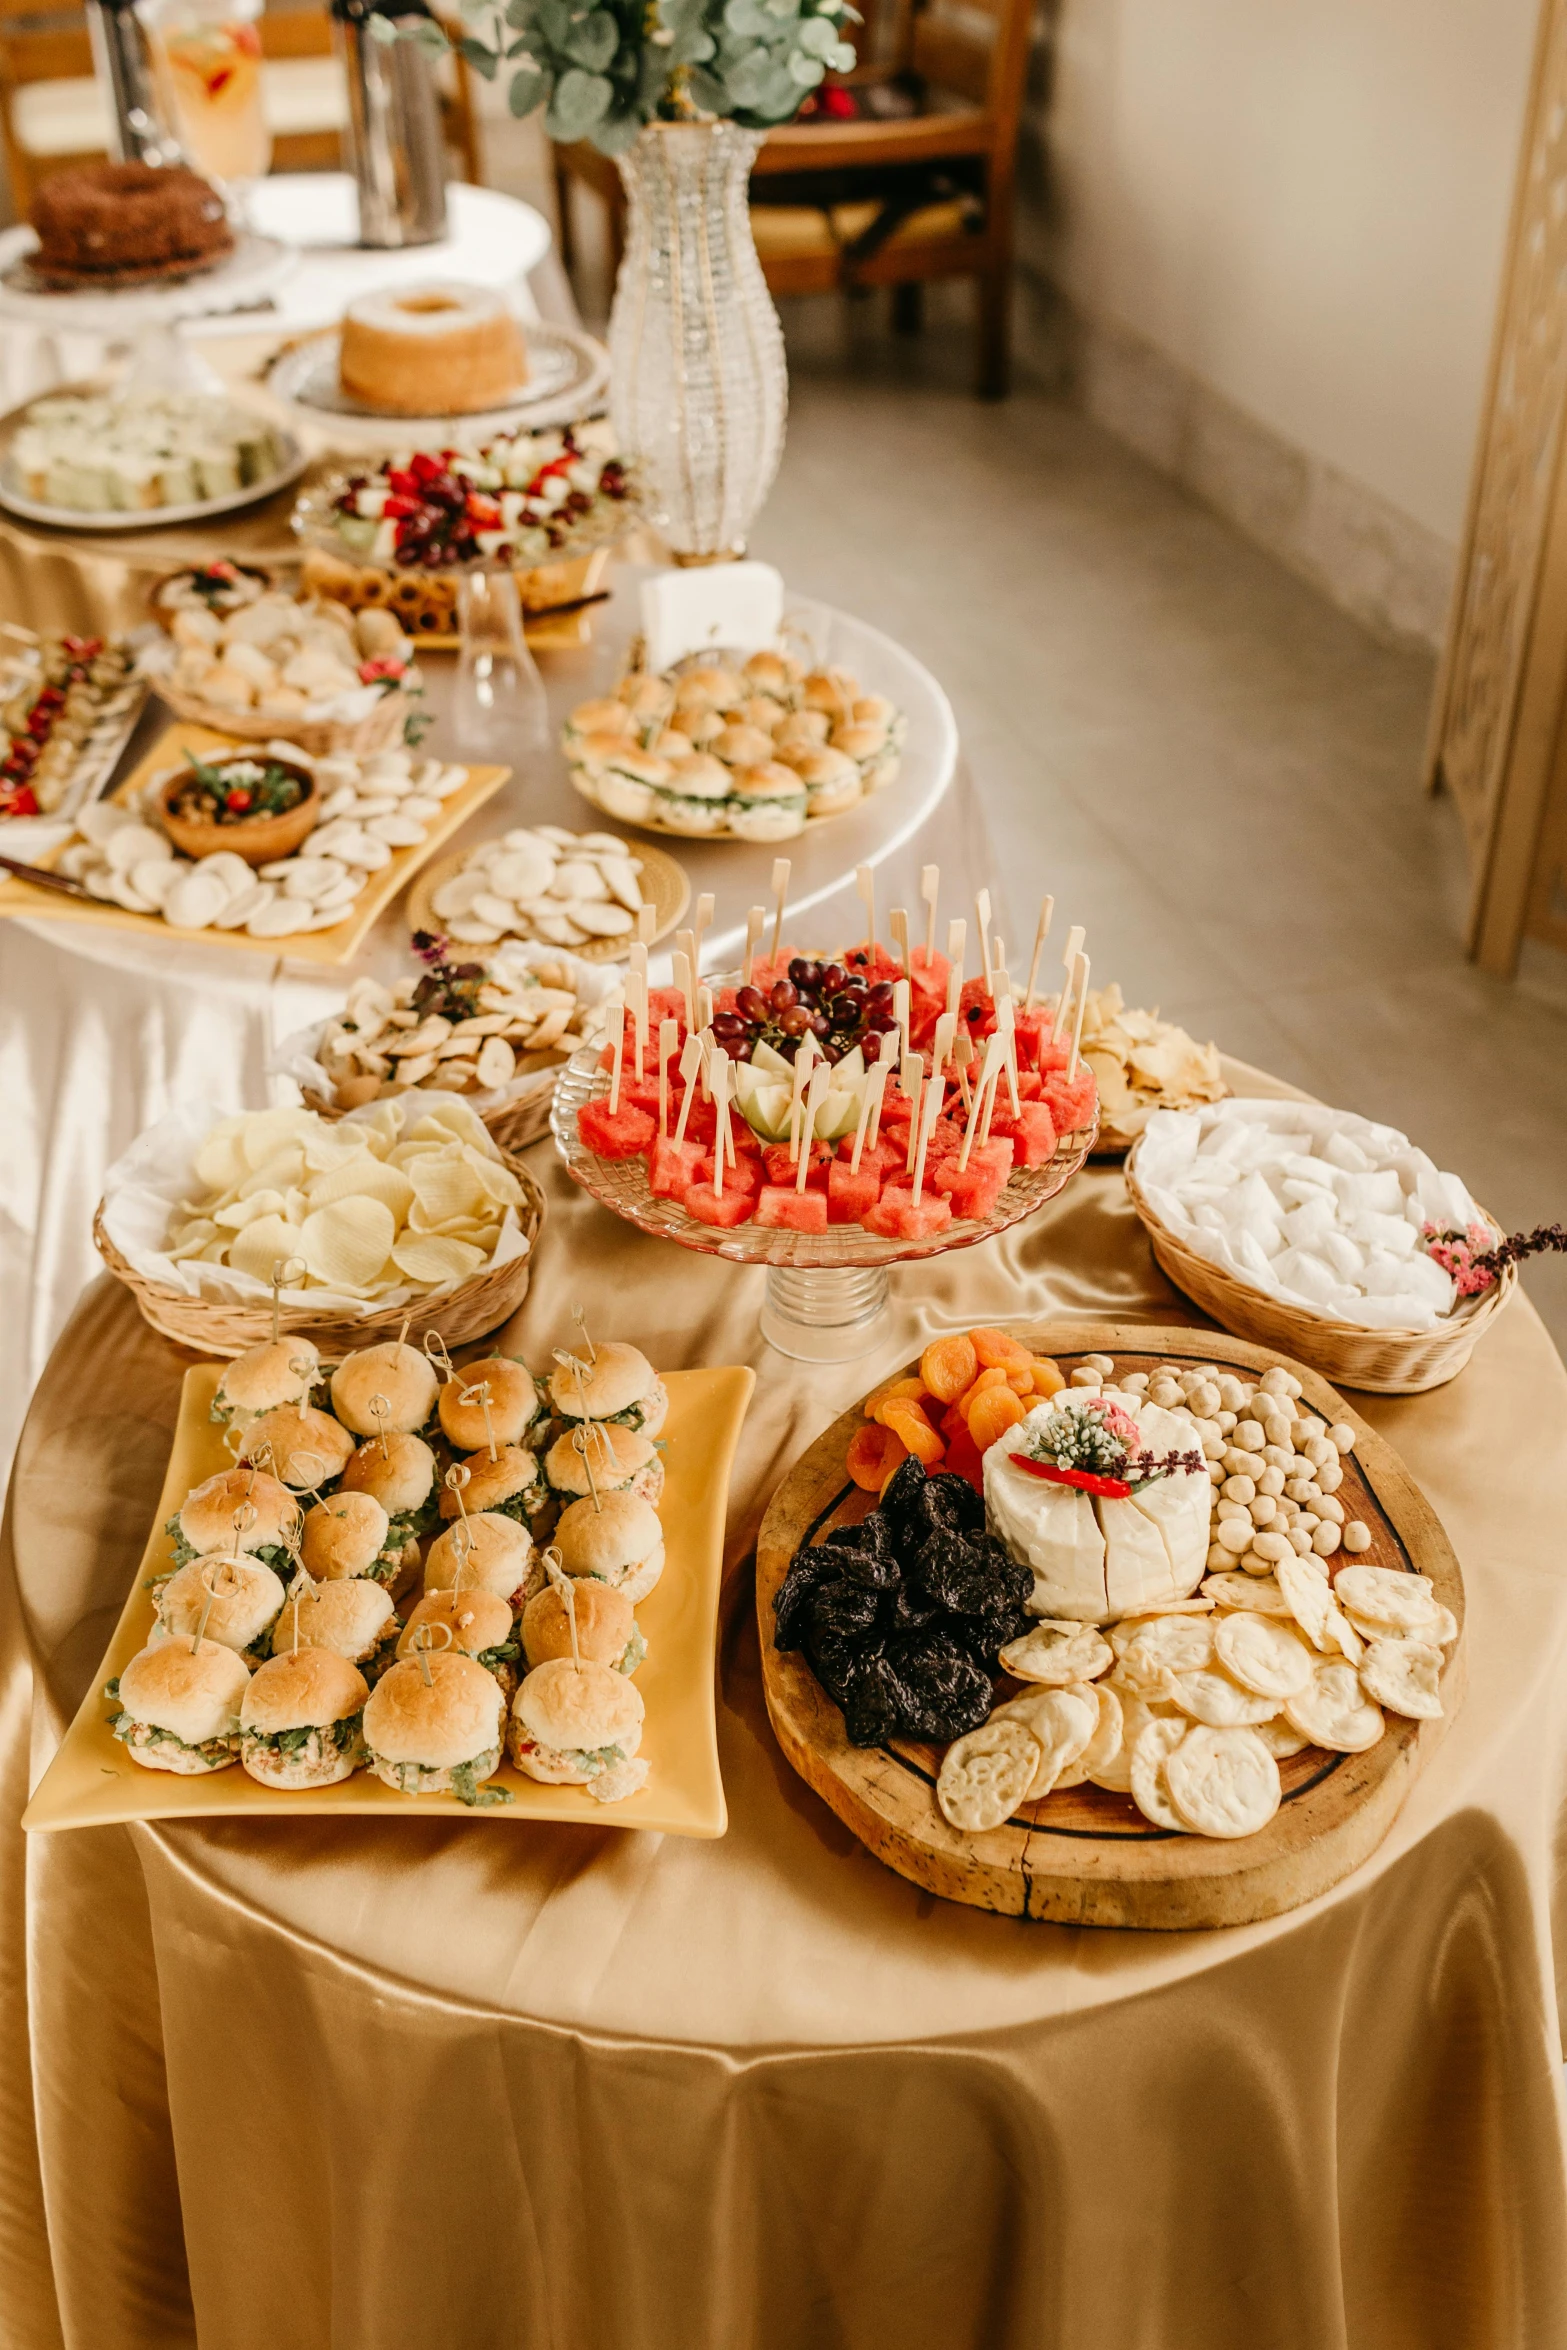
[
  {"x": 512, "y": 1126},
  {"x": 381, "y": 729},
  {"x": 214, "y": 1326},
  {"x": 1378, "y": 1362}
]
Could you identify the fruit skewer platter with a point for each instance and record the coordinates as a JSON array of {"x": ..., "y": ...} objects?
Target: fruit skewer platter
[
  {"x": 831, "y": 1115},
  {"x": 1162, "y": 1698}
]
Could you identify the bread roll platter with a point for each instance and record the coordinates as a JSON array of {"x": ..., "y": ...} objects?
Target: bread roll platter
[
  {"x": 273, "y": 1657},
  {"x": 356, "y": 889},
  {"x": 1198, "y": 1731}
]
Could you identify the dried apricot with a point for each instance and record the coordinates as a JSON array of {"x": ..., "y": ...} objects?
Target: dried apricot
[
  {"x": 911, "y": 1387},
  {"x": 1021, "y": 1382},
  {"x": 993, "y": 1414},
  {"x": 994, "y": 1377},
  {"x": 948, "y": 1366},
  {"x": 909, "y": 1423},
  {"x": 1049, "y": 1379},
  {"x": 952, "y": 1420},
  {"x": 999, "y": 1347},
  {"x": 872, "y": 1452}
]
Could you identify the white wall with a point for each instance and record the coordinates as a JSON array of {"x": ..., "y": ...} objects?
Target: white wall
[{"x": 1302, "y": 203}]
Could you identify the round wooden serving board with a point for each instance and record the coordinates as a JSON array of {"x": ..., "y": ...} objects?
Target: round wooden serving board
[{"x": 1086, "y": 1856}]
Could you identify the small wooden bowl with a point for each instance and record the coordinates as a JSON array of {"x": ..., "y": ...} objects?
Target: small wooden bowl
[
  {"x": 165, "y": 613},
  {"x": 258, "y": 839}
]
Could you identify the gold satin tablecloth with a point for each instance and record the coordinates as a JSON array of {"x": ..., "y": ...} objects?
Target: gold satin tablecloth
[{"x": 342, "y": 2086}]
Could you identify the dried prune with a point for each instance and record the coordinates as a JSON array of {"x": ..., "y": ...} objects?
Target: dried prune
[
  {"x": 871, "y": 1702},
  {"x": 845, "y": 1608},
  {"x": 900, "y": 1505},
  {"x": 941, "y": 1692},
  {"x": 905, "y": 1609},
  {"x": 984, "y": 1637},
  {"x": 968, "y": 1573},
  {"x": 949, "y": 1504},
  {"x": 808, "y": 1570},
  {"x": 834, "y": 1658},
  {"x": 865, "y": 1553}
]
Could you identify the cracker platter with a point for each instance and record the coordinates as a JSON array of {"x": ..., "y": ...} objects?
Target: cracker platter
[{"x": 1086, "y": 1854}]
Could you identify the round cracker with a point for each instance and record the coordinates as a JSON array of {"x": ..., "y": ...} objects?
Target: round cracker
[
  {"x": 1399, "y": 1602},
  {"x": 1280, "y": 1737},
  {"x": 1223, "y": 1782},
  {"x": 1180, "y": 1643},
  {"x": 1405, "y": 1676},
  {"x": 1212, "y": 1697},
  {"x": 1156, "y": 1742},
  {"x": 1259, "y": 1593},
  {"x": 1334, "y": 1711},
  {"x": 1105, "y": 1742},
  {"x": 1061, "y": 1720},
  {"x": 1137, "y": 1711},
  {"x": 986, "y": 1775},
  {"x": 1309, "y": 1595},
  {"x": 1264, "y": 1655},
  {"x": 1055, "y": 1653}
]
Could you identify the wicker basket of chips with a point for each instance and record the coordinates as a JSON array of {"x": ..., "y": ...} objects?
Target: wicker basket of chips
[{"x": 459, "y": 1311}]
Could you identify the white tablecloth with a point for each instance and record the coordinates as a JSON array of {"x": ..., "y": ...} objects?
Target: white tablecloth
[{"x": 495, "y": 240}]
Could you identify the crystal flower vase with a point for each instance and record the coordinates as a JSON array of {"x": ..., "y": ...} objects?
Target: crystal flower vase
[{"x": 698, "y": 387}]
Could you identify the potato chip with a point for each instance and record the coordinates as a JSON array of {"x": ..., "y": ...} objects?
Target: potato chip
[
  {"x": 986, "y": 1775},
  {"x": 1405, "y": 1676},
  {"x": 245, "y": 1211},
  {"x": 497, "y": 1181},
  {"x": 262, "y": 1245},
  {"x": 435, "y": 1260},
  {"x": 1156, "y": 1742},
  {"x": 1263, "y": 1654},
  {"x": 367, "y": 1177},
  {"x": 221, "y": 1161},
  {"x": 445, "y": 1187},
  {"x": 261, "y": 1133},
  {"x": 1223, "y": 1782},
  {"x": 453, "y": 1118},
  {"x": 346, "y": 1244}
]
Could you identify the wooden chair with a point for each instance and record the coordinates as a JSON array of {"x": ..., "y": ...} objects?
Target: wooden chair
[
  {"x": 52, "y": 115},
  {"x": 836, "y": 205}
]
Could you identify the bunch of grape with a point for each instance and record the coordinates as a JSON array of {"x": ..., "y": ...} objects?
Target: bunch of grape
[{"x": 822, "y": 1000}]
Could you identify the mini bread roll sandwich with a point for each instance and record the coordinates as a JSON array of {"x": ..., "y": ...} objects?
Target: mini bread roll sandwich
[
  {"x": 349, "y": 1534},
  {"x": 399, "y": 1375},
  {"x": 711, "y": 685},
  {"x": 870, "y": 748},
  {"x": 510, "y": 1485},
  {"x": 801, "y": 731},
  {"x": 437, "y": 1735},
  {"x": 355, "y": 1620},
  {"x": 831, "y": 780},
  {"x": 832, "y": 690},
  {"x": 179, "y": 1706},
  {"x": 204, "y": 1522},
  {"x": 605, "y": 716},
  {"x": 577, "y": 1725},
  {"x": 670, "y": 743},
  {"x": 237, "y": 1608},
  {"x": 607, "y": 1630},
  {"x": 692, "y": 800},
  {"x": 497, "y": 1555},
  {"x": 620, "y": 1461},
  {"x": 264, "y": 1377},
  {"x": 507, "y": 1413},
  {"x": 767, "y": 802},
  {"x": 300, "y": 1720},
  {"x": 619, "y": 1384},
  {"x": 701, "y": 728},
  {"x": 742, "y": 746},
  {"x": 620, "y": 1543},
  {"x": 480, "y": 1623},
  {"x": 308, "y": 1448},
  {"x": 627, "y": 783},
  {"x": 776, "y": 676},
  {"x": 400, "y": 1475},
  {"x": 649, "y": 699}
]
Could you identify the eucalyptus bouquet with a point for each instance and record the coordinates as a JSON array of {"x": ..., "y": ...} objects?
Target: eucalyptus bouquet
[{"x": 604, "y": 68}]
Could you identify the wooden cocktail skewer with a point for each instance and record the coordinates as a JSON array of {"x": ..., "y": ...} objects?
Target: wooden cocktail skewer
[
  {"x": 579, "y": 1315},
  {"x": 690, "y": 1064},
  {"x": 1069, "y": 955},
  {"x": 1046, "y": 910},
  {"x": 781, "y": 872},
  {"x": 926, "y": 1123},
  {"x": 582, "y": 1445},
  {"x": 456, "y": 1482},
  {"x": 798, "y": 1078},
  {"x": 816, "y": 1091},
  {"x": 307, "y": 1373},
  {"x": 479, "y": 1393},
  {"x": 930, "y": 891},
  {"x": 962, "y": 1055},
  {"x": 898, "y": 924},
  {"x": 214, "y": 1591},
  {"x": 1082, "y": 1005},
  {"x": 700, "y": 928},
  {"x": 723, "y": 1141},
  {"x": 946, "y": 1038},
  {"x": 1006, "y": 1027},
  {"x": 878, "y": 1085},
  {"x": 647, "y": 923},
  {"x": 618, "y": 1049},
  {"x": 704, "y": 1009},
  {"x": 422, "y": 1640},
  {"x": 755, "y": 923},
  {"x": 637, "y": 985},
  {"x": 957, "y": 945},
  {"x": 683, "y": 963},
  {"x": 380, "y": 1411},
  {"x": 911, "y": 1077},
  {"x": 565, "y": 1590},
  {"x": 668, "y": 1035},
  {"x": 976, "y": 1106},
  {"x": 865, "y": 890},
  {"x": 901, "y": 1007},
  {"x": 436, "y": 1356},
  {"x": 954, "y": 988},
  {"x": 982, "y": 914},
  {"x": 861, "y": 1121}
]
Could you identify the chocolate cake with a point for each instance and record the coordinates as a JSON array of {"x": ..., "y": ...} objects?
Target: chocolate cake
[{"x": 124, "y": 221}]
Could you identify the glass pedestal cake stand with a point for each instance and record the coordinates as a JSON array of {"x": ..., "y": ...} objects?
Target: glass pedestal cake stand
[
  {"x": 826, "y": 1298},
  {"x": 499, "y": 707}
]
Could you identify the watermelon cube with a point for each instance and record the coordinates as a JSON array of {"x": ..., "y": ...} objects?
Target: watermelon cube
[
  {"x": 874, "y": 964},
  {"x": 782, "y": 1170},
  {"x": 791, "y": 1211},
  {"x": 1071, "y": 1102},
  {"x": 665, "y": 1003},
  {"x": 881, "y": 1157},
  {"x": 977, "y": 1009},
  {"x": 1032, "y": 1134},
  {"x": 639, "y": 1097},
  {"x": 673, "y": 1167},
  {"x": 615, "y": 1134},
  {"x": 702, "y": 1124},
  {"x": 972, "y": 1190},
  {"x": 850, "y": 1195},
  {"x": 742, "y": 1174},
  {"x": 898, "y": 1215},
  {"x": 723, "y": 1208},
  {"x": 1028, "y": 1084}
]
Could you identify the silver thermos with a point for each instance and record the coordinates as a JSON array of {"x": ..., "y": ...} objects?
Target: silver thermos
[
  {"x": 123, "y": 62},
  {"x": 396, "y": 147}
]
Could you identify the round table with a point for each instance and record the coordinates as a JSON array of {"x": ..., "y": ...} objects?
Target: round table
[
  {"x": 101, "y": 1030},
  {"x": 493, "y": 240},
  {"x": 353, "y": 2087}
]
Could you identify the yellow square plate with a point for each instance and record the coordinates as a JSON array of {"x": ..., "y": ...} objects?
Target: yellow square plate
[
  {"x": 337, "y": 945},
  {"x": 92, "y": 1780}
]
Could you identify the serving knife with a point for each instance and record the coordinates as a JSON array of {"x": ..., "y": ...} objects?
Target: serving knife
[{"x": 45, "y": 879}]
